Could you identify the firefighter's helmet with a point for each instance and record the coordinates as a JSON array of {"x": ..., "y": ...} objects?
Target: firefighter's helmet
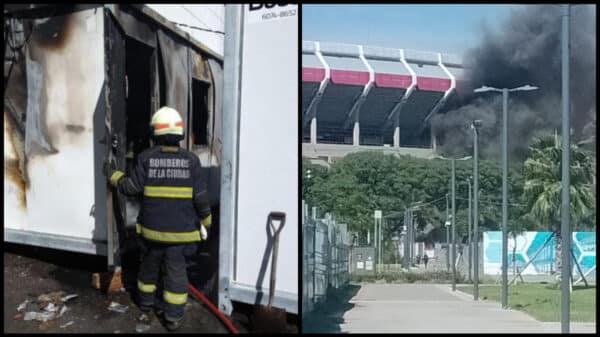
[{"x": 166, "y": 121}]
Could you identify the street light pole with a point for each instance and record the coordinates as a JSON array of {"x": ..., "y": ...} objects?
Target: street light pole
[
  {"x": 476, "y": 209},
  {"x": 447, "y": 236},
  {"x": 406, "y": 265},
  {"x": 565, "y": 212},
  {"x": 453, "y": 229},
  {"x": 410, "y": 237},
  {"x": 504, "y": 92},
  {"x": 380, "y": 241},
  {"x": 504, "y": 198},
  {"x": 470, "y": 250},
  {"x": 375, "y": 243}
]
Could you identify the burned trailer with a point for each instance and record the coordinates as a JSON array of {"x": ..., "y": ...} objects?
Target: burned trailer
[{"x": 81, "y": 84}]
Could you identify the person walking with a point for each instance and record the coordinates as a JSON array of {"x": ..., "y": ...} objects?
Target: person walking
[{"x": 425, "y": 260}]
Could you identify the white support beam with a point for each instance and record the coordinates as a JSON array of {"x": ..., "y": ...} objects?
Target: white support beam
[
  {"x": 442, "y": 100},
  {"x": 354, "y": 111},
  {"x": 356, "y": 134},
  {"x": 433, "y": 139},
  {"x": 313, "y": 130},
  {"x": 397, "y": 136},
  {"x": 413, "y": 85},
  {"x": 312, "y": 108}
]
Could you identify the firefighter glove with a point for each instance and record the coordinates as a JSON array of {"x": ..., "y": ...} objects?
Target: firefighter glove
[
  {"x": 115, "y": 177},
  {"x": 203, "y": 232}
]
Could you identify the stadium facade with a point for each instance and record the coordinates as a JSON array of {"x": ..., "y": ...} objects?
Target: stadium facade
[{"x": 358, "y": 97}]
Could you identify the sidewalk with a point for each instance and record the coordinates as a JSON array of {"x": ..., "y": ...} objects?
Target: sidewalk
[{"x": 434, "y": 308}]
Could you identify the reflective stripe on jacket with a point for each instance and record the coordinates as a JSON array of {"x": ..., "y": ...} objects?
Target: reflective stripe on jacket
[{"x": 174, "y": 194}]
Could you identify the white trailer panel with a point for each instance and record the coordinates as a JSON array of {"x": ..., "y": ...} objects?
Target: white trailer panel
[
  {"x": 260, "y": 154},
  {"x": 65, "y": 72}
]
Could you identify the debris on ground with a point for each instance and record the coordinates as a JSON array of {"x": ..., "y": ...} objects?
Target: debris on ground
[
  {"x": 140, "y": 327},
  {"x": 51, "y": 297},
  {"x": 143, "y": 318},
  {"x": 68, "y": 297},
  {"x": 18, "y": 316},
  {"x": 116, "y": 307},
  {"x": 22, "y": 306},
  {"x": 39, "y": 316},
  {"x": 67, "y": 324},
  {"x": 63, "y": 310},
  {"x": 51, "y": 306}
]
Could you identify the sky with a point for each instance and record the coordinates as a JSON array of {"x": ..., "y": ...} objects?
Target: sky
[{"x": 432, "y": 27}]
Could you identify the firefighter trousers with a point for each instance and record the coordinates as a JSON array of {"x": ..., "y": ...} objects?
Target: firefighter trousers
[{"x": 172, "y": 259}]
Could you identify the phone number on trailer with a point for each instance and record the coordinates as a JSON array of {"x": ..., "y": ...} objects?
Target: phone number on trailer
[{"x": 282, "y": 14}]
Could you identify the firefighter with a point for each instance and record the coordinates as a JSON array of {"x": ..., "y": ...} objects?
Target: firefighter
[{"x": 174, "y": 216}]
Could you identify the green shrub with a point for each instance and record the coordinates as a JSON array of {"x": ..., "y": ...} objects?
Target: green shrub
[{"x": 440, "y": 276}]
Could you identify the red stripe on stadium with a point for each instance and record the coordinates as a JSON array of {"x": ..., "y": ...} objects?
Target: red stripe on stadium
[
  {"x": 312, "y": 74},
  {"x": 349, "y": 77}
]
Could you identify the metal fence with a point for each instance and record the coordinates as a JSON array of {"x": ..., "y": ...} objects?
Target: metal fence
[{"x": 326, "y": 247}]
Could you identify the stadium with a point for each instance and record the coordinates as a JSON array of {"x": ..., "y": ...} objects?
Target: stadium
[{"x": 358, "y": 98}]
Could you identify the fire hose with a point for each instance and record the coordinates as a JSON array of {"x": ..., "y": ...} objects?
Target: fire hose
[{"x": 213, "y": 308}]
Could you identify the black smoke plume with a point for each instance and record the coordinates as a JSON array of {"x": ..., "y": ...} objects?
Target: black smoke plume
[{"x": 526, "y": 50}]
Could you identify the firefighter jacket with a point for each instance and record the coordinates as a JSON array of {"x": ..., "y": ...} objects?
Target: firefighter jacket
[{"x": 175, "y": 200}]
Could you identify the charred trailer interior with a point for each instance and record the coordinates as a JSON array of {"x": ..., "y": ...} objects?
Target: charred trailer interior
[{"x": 81, "y": 84}]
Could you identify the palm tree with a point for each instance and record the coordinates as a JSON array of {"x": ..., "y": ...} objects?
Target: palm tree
[{"x": 542, "y": 190}]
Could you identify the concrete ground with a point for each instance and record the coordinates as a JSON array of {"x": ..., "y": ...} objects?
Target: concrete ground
[
  {"x": 433, "y": 308},
  {"x": 31, "y": 271}
]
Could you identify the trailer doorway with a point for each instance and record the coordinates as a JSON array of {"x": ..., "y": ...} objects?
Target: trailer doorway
[
  {"x": 138, "y": 95},
  {"x": 139, "y": 79}
]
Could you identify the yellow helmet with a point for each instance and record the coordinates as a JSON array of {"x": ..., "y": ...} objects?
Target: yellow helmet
[{"x": 166, "y": 121}]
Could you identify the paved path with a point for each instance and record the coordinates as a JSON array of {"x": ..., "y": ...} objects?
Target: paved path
[{"x": 410, "y": 308}]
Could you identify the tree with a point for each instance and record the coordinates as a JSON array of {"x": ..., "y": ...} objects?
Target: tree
[
  {"x": 360, "y": 183},
  {"x": 543, "y": 192},
  {"x": 312, "y": 175}
]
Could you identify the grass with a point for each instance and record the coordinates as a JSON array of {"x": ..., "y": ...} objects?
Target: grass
[{"x": 542, "y": 301}]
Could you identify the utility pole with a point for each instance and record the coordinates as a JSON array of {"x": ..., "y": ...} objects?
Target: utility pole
[
  {"x": 447, "y": 236},
  {"x": 377, "y": 216},
  {"x": 375, "y": 244},
  {"x": 475, "y": 127},
  {"x": 565, "y": 212},
  {"x": 380, "y": 241},
  {"x": 379, "y": 224},
  {"x": 406, "y": 243},
  {"x": 453, "y": 229},
  {"x": 412, "y": 235},
  {"x": 504, "y": 198},
  {"x": 410, "y": 231},
  {"x": 470, "y": 251}
]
